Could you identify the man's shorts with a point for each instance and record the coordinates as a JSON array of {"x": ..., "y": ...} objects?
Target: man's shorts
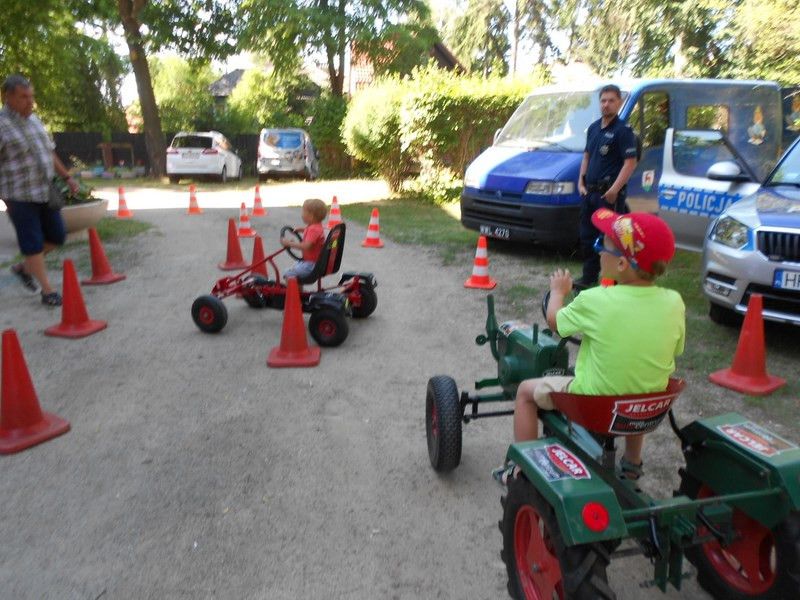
[
  {"x": 554, "y": 383},
  {"x": 35, "y": 224}
]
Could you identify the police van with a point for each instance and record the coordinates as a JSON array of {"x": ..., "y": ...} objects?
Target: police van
[{"x": 524, "y": 188}]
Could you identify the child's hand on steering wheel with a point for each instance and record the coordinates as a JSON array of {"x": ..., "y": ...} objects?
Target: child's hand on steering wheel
[{"x": 561, "y": 282}]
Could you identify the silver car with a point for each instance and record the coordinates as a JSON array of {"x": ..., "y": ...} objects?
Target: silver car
[
  {"x": 286, "y": 152},
  {"x": 754, "y": 247}
]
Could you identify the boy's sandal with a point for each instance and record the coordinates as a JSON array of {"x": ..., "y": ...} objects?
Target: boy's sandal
[
  {"x": 51, "y": 299},
  {"x": 504, "y": 473},
  {"x": 631, "y": 470}
]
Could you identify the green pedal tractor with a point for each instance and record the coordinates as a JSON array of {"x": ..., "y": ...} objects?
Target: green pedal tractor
[{"x": 735, "y": 516}]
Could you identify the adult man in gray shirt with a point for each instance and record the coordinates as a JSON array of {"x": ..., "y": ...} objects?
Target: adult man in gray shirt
[{"x": 27, "y": 166}]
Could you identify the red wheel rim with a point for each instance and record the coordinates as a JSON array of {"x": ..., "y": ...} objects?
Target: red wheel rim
[
  {"x": 748, "y": 563},
  {"x": 327, "y": 328},
  {"x": 434, "y": 421},
  {"x": 538, "y": 568},
  {"x": 206, "y": 315}
]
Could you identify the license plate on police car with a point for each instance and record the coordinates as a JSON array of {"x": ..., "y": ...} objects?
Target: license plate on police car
[
  {"x": 787, "y": 280},
  {"x": 503, "y": 233}
]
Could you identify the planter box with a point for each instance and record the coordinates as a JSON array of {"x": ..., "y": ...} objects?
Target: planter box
[{"x": 78, "y": 218}]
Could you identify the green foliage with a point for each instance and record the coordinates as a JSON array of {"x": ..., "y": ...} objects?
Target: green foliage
[
  {"x": 181, "y": 88},
  {"x": 326, "y": 115},
  {"x": 478, "y": 36}
]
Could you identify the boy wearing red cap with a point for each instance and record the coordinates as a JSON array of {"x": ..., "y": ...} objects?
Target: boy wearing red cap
[{"x": 631, "y": 332}]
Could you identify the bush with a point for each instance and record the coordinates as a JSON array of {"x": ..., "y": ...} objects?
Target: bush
[{"x": 326, "y": 115}]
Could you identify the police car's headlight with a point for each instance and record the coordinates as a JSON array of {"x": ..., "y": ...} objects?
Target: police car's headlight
[
  {"x": 550, "y": 188},
  {"x": 730, "y": 232},
  {"x": 471, "y": 179}
]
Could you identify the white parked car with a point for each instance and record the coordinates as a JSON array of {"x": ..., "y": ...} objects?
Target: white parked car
[{"x": 202, "y": 153}]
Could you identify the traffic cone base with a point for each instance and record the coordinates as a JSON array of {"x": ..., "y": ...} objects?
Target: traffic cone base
[
  {"x": 480, "y": 270},
  {"x": 373, "y": 239},
  {"x": 101, "y": 269},
  {"x": 748, "y": 373},
  {"x": 245, "y": 231},
  {"x": 258, "y": 208},
  {"x": 22, "y": 422},
  {"x": 122, "y": 208},
  {"x": 75, "y": 321},
  {"x": 294, "y": 350},
  {"x": 194, "y": 207},
  {"x": 234, "y": 260}
]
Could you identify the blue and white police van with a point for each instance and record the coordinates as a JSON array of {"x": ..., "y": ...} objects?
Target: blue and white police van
[{"x": 524, "y": 187}]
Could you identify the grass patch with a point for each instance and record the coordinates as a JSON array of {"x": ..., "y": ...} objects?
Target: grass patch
[{"x": 110, "y": 229}]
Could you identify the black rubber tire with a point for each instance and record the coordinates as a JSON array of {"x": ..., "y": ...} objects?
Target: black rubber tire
[
  {"x": 174, "y": 179},
  {"x": 223, "y": 177},
  {"x": 785, "y": 550},
  {"x": 209, "y": 314},
  {"x": 582, "y": 567},
  {"x": 369, "y": 302},
  {"x": 721, "y": 315},
  {"x": 286, "y": 229},
  {"x": 443, "y": 415},
  {"x": 328, "y": 326},
  {"x": 254, "y": 299},
  {"x": 262, "y": 177}
]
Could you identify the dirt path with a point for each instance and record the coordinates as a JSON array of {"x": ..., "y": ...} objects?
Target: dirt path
[{"x": 194, "y": 471}]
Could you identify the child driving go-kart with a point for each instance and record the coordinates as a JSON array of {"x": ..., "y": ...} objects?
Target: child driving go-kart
[{"x": 631, "y": 332}]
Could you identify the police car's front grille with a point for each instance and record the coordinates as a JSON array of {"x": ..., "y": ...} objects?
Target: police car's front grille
[
  {"x": 785, "y": 301},
  {"x": 779, "y": 245}
]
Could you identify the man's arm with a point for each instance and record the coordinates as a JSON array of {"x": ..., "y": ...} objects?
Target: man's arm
[
  {"x": 62, "y": 170},
  {"x": 582, "y": 174},
  {"x": 624, "y": 174},
  {"x": 560, "y": 286}
]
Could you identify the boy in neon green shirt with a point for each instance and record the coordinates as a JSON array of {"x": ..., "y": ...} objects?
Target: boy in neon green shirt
[{"x": 631, "y": 332}]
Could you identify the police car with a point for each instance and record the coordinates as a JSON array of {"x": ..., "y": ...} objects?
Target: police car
[{"x": 754, "y": 245}]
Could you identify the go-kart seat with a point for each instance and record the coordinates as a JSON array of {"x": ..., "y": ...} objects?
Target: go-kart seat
[
  {"x": 618, "y": 415},
  {"x": 330, "y": 259}
]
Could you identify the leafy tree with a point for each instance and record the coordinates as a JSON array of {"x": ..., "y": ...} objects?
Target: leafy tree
[
  {"x": 381, "y": 29},
  {"x": 181, "y": 90},
  {"x": 478, "y": 36}
]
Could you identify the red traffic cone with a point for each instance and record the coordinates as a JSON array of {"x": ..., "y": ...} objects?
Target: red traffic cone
[
  {"x": 480, "y": 270},
  {"x": 607, "y": 282},
  {"x": 748, "y": 373},
  {"x": 259, "y": 265},
  {"x": 122, "y": 208},
  {"x": 258, "y": 209},
  {"x": 234, "y": 260},
  {"x": 373, "y": 239},
  {"x": 194, "y": 208},
  {"x": 294, "y": 350},
  {"x": 22, "y": 422},
  {"x": 245, "y": 230},
  {"x": 335, "y": 216},
  {"x": 75, "y": 322},
  {"x": 101, "y": 269}
]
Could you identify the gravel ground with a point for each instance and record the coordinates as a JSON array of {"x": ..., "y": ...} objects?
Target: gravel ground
[{"x": 194, "y": 471}]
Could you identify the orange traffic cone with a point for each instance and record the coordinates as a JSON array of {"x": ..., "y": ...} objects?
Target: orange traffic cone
[
  {"x": 194, "y": 208},
  {"x": 234, "y": 260},
  {"x": 22, "y": 422},
  {"x": 122, "y": 208},
  {"x": 294, "y": 350},
  {"x": 75, "y": 322},
  {"x": 480, "y": 270},
  {"x": 373, "y": 239},
  {"x": 259, "y": 265},
  {"x": 748, "y": 373},
  {"x": 335, "y": 216},
  {"x": 607, "y": 282},
  {"x": 101, "y": 269},
  {"x": 244, "y": 224},
  {"x": 258, "y": 209}
]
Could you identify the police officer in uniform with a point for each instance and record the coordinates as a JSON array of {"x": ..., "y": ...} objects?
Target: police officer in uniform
[{"x": 608, "y": 162}]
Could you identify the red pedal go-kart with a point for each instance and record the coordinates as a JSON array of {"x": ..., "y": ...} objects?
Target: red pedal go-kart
[{"x": 354, "y": 295}]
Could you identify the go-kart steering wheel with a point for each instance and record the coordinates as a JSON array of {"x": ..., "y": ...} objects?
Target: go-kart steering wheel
[
  {"x": 576, "y": 289},
  {"x": 290, "y": 230}
]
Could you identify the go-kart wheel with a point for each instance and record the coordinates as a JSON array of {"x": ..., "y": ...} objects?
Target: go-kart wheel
[
  {"x": 287, "y": 231},
  {"x": 538, "y": 563},
  {"x": 443, "y": 423},
  {"x": 209, "y": 314},
  {"x": 328, "y": 326},
  {"x": 254, "y": 299},
  {"x": 369, "y": 302},
  {"x": 760, "y": 563}
]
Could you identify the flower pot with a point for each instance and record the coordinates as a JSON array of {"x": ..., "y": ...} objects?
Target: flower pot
[{"x": 79, "y": 217}]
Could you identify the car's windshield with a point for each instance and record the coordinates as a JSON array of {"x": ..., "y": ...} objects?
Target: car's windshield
[
  {"x": 192, "y": 141},
  {"x": 286, "y": 140},
  {"x": 558, "y": 121},
  {"x": 788, "y": 171}
]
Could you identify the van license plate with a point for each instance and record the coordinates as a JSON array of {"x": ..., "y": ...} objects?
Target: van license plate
[
  {"x": 499, "y": 232},
  {"x": 787, "y": 280}
]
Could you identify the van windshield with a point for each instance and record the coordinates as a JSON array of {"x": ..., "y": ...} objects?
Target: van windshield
[
  {"x": 556, "y": 121},
  {"x": 285, "y": 140}
]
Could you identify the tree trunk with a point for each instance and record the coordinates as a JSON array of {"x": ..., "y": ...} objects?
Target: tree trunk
[
  {"x": 515, "y": 39},
  {"x": 154, "y": 137}
]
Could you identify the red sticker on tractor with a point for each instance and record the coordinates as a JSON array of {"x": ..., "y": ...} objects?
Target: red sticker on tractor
[
  {"x": 637, "y": 416},
  {"x": 555, "y": 462},
  {"x": 756, "y": 439}
]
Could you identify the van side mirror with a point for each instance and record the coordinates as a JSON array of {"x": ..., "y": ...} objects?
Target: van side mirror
[{"x": 727, "y": 170}]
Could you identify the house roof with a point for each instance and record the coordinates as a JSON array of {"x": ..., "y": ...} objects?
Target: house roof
[
  {"x": 445, "y": 58},
  {"x": 223, "y": 86}
]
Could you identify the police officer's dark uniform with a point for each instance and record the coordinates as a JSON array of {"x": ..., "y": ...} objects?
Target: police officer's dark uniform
[{"x": 608, "y": 148}]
